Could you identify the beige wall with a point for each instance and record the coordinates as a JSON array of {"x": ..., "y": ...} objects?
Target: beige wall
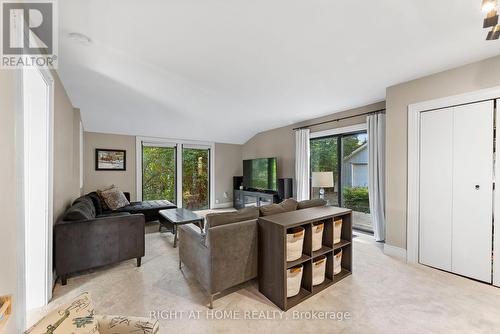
[
  {"x": 464, "y": 79},
  {"x": 280, "y": 142},
  {"x": 66, "y": 150},
  {"x": 228, "y": 163},
  {"x": 8, "y": 277},
  {"x": 92, "y": 179}
]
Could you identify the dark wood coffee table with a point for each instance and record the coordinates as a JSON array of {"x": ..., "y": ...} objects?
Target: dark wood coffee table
[{"x": 179, "y": 216}]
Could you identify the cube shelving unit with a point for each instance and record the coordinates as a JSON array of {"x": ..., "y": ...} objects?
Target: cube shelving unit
[{"x": 272, "y": 252}]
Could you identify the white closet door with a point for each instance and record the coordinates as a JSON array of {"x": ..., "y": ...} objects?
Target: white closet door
[
  {"x": 496, "y": 242},
  {"x": 473, "y": 190},
  {"x": 436, "y": 148}
]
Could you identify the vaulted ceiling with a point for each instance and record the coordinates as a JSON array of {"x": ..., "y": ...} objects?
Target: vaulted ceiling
[{"x": 225, "y": 70}]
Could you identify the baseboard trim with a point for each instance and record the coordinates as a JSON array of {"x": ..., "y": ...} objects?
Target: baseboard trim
[
  {"x": 395, "y": 251},
  {"x": 223, "y": 205}
]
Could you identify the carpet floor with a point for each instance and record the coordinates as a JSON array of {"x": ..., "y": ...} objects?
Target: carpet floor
[{"x": 384, "y": 295}]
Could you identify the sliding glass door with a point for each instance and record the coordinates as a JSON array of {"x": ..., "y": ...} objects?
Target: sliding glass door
[
  {"x": 159, "y": 172},
  {"x": 324, "y": 158},
  {"x": 195, "y": 178},
  {"x": 345, "y": 155},
  {"x": 177, "y": 172}
]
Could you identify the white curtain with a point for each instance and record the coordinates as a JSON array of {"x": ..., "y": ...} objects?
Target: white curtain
[
  {"x": 302, "y": 154},
  {"x": 376, "y": 174}
]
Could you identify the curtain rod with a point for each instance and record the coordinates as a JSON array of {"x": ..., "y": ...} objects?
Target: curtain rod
[{"x": 341, "y": 119}]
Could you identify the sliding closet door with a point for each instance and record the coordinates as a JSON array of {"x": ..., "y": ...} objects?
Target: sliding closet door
[
  {"x": 472, "y": 190},
  {"x": 436, "y": 149},
  {"x": 496, "y": 242}
]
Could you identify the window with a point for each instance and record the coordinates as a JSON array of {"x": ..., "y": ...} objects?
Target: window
[
  {"x": 324, "y": 158},
  {"x": 177, "y": 171},
  {"x": 158, "y": 172},
  {"x": 195, "y": 178},
  {"x": 346, "y": 156}
]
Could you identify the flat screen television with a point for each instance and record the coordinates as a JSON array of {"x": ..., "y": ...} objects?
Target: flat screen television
[{"x": 260, "y": 174}]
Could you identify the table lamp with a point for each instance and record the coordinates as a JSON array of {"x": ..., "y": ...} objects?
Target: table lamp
[{"x": 322, "y": 180}]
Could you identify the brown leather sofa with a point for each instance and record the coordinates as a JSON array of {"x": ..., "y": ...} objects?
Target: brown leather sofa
[{"x": 88, "y": 236}]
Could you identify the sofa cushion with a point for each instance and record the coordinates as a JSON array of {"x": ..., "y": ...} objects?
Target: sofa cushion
[
  {"x": 311, "y": 203},
  {"x": 287, "y": 205},
  {"x": 76, "y": 317},
  {"x": 114, "y": 198},
  {"x": 113, "y": 214},
  {"x": 88, "y": 201},
  {"x": 97, "y": 202},
  {"x": 82, "y": 209},
  {"x": 217, "y": 219},
  {"x": 145, "y": 206}
]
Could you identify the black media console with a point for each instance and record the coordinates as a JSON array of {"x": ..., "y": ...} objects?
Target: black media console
[{"x": 248, "y": 198}]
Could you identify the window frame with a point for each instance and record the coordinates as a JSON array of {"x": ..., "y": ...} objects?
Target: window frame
[
  {"x": 176, "y": 166},
  {"x": 338, "y": 134},
  {"x": 180, "y": 144}
]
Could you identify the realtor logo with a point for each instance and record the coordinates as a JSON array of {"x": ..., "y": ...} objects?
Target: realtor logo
[{"x": 28, "y": 34}]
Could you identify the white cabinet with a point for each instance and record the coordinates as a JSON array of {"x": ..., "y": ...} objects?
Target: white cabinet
[{"x": 456, "y": 192}]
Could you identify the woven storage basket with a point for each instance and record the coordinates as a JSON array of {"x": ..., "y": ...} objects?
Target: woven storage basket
[
  {"x": 337, "y": 230},
  {"x": 318, "y": 270},
  {"x": 317, "y": 236},
  {"x": 294, "y": 243},
  {"x": 293, "y": 280},
  {"x": 337, "y": 263}
]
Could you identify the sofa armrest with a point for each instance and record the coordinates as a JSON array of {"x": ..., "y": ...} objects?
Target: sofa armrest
[
  {"x": 195, "y": 255},
  {"x": 110, "y": 324},
  {"x": 111, "y": 218},
  {"x": 234, "y": 253}
]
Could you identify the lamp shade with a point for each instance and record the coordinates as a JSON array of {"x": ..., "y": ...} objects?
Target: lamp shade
[
  {"x": 322, "y": 179},
  {"x": 488, "y": 5}
]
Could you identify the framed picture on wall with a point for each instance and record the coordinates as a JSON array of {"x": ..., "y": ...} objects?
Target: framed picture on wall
[{"x": 106, "y": 159}]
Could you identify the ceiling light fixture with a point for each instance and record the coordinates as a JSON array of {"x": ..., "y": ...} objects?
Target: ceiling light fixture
[
  {"x": 491, "y": 20},
  {"x": 488, "y": 5},
  {"x": 494, "y": 34},
  {"x": 76, "y": 36}
]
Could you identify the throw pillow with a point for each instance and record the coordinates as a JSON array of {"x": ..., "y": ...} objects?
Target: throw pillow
[
  {"x": 114, "y": 198},
  {"x": 113, "y": 324},
  {"x": 76, "y": 317},
  {"x": 311, "y": 203},
  {"x": 104, "y": 206}
]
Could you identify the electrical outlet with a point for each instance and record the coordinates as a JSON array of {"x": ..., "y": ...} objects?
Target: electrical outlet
[{"x": 216, "y": 201}]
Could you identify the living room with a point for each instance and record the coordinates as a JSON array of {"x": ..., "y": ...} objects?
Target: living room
[{"x": 264, "y": 166}]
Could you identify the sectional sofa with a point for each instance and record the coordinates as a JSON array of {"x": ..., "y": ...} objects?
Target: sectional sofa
[
  {"x": 225, "y": 254},
  {"x": 88, "y": 235}
]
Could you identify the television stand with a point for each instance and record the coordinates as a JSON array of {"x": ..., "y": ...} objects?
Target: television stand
[{"x": 254, "y": 198}]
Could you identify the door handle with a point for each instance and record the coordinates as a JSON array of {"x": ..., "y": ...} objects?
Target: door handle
[{"x": 477, "y": 186}]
